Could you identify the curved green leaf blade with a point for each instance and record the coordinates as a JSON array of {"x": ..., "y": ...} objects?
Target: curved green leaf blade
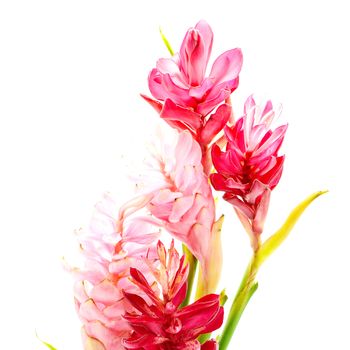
[{"x": 272, "y": 243}]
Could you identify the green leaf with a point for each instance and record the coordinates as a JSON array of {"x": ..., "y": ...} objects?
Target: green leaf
[
  {"x": 49, "y": 345},
  {"x": 45, "y": 343},
  {"x": 272, "y": 243},
  {"x": 166, "y": 42}
]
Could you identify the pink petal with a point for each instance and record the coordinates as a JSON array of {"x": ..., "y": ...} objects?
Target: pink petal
[
  {"x": 80, "y": 292},
  {"x": 139, "y": 279},
  {"x": 90, "y": 312},
  {"x": 256, "y": 191},
  {"x": 215, "y": 123},
  {"x": 245, "y": 209},
  {"x": 217, "y": 94},
  {"x": 199, "y": 92},
  {"x": 272, "y": 144},
  {"x": 91, "y": 343},
  {"x": 207, "y": 35},
  {"x": 195, "y": 51},
  {"x": 165, "y": 196},
  {"x": 110, "y": 339},
  {"x": 131, "y": 207},
  {"x": 227, "y": 66},
  {"x": 154, "y": 103},
  {"x": 174, "y": 112},
  {"x": 226, "y": 162},
  {"x": 177, "y": 93},
  {"x": 169, "y": 66},
  {"x": 249, "y": 104},
  {"x": 105, "y": 292},
  {"x": 180, "y": 207},
  {"x": 273, "y": 176},
  {"x": 261, "y": 212},
  {"x": 187, "y": 151},
  {"x": 155, "y": 85}
]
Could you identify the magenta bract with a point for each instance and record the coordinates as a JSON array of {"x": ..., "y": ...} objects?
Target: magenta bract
[
  {"x": 250, "y": 167},
  {"x": 188, "y": 95},
  {"x": 160, "y": 323}
]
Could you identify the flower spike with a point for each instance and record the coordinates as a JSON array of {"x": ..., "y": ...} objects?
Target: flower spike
[
  {"x": 250, "y": 167},
  {"x": 187, "y": 96},
  {"x": 160, "y": 323}
]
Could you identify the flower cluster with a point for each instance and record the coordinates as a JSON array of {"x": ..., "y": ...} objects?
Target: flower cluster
[
  {"x": 131, "y": 292},
  {"x": 250, "y": 168},
  {"x": 160, "y": 323},
  {"x": 108, "y": 253},
  {"x": 189, "y": 96}
]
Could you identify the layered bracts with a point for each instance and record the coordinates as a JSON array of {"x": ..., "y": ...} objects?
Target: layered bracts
[
  {"x": 109, "y": 248},
  {"x": 185, "y": 96},
  {"x": 178, "y": 194},
  {"x": 250, "y": 168},
  {"x": 159, "y": 322}
]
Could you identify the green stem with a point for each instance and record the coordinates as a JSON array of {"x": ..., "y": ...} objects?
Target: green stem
[
  {"x": 192, "y": 262},
  {"x": 245, "y": 291},
  {"x": 248, "y": 285}
]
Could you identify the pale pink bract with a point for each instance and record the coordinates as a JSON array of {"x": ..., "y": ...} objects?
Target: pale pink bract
[
  {"x": 109, "y": 249},
  {"x": 250, "y": 167},
  {"x": 180, "y": 197}
]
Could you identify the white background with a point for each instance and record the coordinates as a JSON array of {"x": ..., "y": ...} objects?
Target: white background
[{"x": 73, "y": 125}]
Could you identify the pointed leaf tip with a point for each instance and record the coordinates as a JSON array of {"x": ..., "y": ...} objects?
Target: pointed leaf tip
[
  {"x": 272, "y": 243},
  {"x": 45, "y": 343},
  {"x": 166, "y": 42},
  {"x": 223, "y": 297}
]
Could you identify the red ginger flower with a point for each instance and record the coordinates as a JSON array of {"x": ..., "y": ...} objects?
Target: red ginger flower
[
  {"x": 160, "y": 323},
  {"x": 250, "y": 167},
  {"x": 189, "y": 96}
]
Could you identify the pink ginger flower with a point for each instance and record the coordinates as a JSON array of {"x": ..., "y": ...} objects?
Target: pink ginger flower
[
  {"x": 109, "y": 250},
  {"x": 180, "y": 198},
  {"x": 158, "y": 322},
  {"x": 189, "y": 96},
  {"x": 250, "y": 167}
]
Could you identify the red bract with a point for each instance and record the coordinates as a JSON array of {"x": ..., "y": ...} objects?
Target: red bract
[
  {"x": 189, "y": 96},
  {"x": 250, "y": 167},
  {"x": 159, "y": 322}
]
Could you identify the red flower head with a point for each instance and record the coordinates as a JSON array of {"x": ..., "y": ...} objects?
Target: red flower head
[
  {"x": 250, "y": 167},
  {"x": 189, "y": 95},
  {"x": 159, "y": 322}
]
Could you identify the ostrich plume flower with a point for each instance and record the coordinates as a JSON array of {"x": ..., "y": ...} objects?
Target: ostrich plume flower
[{"x": 108, "y": 253}]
